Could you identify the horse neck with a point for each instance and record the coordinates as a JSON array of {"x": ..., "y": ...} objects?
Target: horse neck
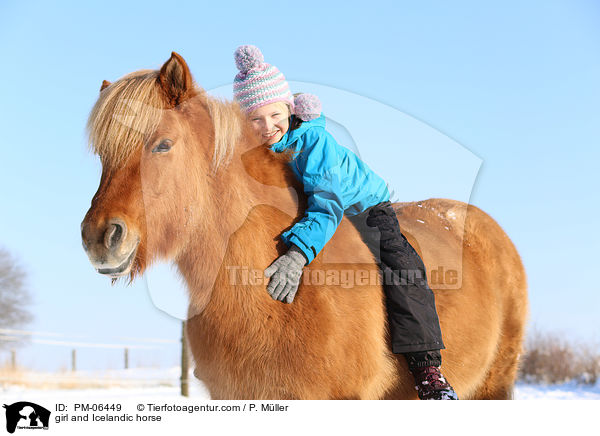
[{"x": 254, "y": 201}]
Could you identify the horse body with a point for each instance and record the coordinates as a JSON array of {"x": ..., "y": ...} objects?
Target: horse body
[
  {"x": 162, "y": 199},
  {"x": 328, "y": 344}
]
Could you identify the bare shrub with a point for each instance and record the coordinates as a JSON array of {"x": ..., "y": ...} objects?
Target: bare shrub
[
  {"x": 589, "y": 364},
  {"x": 551, "y": 358}
]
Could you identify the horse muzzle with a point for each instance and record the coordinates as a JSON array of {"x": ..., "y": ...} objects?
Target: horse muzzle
[{"x": 111, "y": 247}]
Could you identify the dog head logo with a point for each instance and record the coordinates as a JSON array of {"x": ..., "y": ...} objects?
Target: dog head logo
[{"x": 26, "y": 415}]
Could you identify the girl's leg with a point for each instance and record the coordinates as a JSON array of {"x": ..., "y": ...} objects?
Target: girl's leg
[
  {"x": 414, "y": 324},
  {"x": 413, "y": 320}
]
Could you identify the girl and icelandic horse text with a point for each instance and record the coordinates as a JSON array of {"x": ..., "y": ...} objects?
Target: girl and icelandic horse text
[{"x": 184, "y": 179}]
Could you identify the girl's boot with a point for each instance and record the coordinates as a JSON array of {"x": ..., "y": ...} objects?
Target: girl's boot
[{"x": 431, "y": 384}]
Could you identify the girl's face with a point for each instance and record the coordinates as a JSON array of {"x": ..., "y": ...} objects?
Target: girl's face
[{"x": 270, "y": 122}]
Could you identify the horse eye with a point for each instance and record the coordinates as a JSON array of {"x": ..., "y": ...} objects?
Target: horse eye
[{"x": 163, "y": 147}]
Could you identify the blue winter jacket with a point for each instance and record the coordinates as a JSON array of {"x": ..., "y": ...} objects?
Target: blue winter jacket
[{"x": 335, "y": 180}]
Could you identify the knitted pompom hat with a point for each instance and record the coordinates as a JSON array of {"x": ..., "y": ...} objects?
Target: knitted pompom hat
[
  {"x": 307, "y": 106},
  {"x": 258, "y": 83}
]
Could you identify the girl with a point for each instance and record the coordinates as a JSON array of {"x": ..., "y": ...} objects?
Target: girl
[{"x": 338, "y": 183}]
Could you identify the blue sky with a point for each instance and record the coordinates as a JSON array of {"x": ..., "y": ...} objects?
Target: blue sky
[{"x": 514, "y": 83}]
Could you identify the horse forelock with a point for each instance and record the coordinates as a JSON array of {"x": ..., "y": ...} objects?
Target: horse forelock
[{"x": 129, "y": 110}]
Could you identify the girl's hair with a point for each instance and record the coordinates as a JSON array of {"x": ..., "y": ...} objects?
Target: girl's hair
[{"x": 295, "y": 121}]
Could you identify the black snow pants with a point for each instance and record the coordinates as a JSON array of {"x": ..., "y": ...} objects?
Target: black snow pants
[{"x": 413, "y": 321}]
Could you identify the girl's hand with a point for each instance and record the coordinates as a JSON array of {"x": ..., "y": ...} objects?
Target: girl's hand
[{"x": 286, "y": 272}]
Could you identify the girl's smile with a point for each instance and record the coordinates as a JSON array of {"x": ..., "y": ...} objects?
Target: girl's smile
[{"x": 270, "y": 135}]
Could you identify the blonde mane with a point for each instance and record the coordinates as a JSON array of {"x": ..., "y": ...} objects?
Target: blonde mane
[
  {"x": 227, "y": 119},
  {"x": 130, "y": 109}
]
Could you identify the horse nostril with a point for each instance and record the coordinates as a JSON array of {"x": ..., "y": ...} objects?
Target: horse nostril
[
  {"x": 115, "y": 233},
  {"x": 115, "y": 237}
]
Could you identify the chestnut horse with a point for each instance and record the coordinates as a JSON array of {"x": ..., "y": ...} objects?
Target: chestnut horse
[{"x": 184, "y": 179}]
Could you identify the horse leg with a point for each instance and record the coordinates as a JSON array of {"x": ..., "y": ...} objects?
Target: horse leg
[{"x": 499, "y": 382}]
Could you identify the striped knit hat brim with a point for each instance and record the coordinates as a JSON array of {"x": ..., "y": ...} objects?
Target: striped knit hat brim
[{"x": 258, "y": 83}]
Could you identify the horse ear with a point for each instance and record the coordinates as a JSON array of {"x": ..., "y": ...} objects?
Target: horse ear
[
  {"x": 105, "y": 84},
  {"x": 176, "y": 80}
]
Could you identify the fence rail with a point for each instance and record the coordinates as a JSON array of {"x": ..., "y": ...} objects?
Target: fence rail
[{"x": 37, "y": 337}]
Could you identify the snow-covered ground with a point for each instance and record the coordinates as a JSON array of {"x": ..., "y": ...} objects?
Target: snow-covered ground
[
  {"x": 164, "y": 383},
  {"x": 103, "y": 385},
  {"x": 137, "y": 393},
  {"x": 565, "y": 391}
]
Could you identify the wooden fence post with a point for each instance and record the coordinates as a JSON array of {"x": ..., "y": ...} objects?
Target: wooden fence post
[{"x": 184, "y": 362}]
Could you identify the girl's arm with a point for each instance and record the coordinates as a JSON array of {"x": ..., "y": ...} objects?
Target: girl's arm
[{"x": 322, "y": 180}]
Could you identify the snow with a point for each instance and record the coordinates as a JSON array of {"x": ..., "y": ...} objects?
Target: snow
[
  {"x": 104, "y": 385},
  {"x": 164, "y": 383},
  {"x": 565, "y": 391},
  {"x": 139, "y": 390}
]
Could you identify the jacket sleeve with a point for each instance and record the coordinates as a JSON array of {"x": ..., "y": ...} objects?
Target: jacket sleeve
[{"x": 323, "y": 185}]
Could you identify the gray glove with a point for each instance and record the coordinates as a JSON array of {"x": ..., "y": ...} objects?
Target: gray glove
[{"x": 286, "y": 272}]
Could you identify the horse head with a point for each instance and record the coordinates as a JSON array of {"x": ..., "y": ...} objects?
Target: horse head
[{"x": 156, "y": 168}]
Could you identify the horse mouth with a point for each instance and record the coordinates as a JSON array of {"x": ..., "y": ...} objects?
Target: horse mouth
[{"x": 122, "y": 269}]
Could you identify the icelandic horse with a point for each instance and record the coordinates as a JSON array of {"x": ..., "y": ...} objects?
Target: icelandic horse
[{"x": 185, "y": 180}]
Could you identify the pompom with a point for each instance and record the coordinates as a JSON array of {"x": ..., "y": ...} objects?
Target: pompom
[
  {"x": 248, "y": 57},
  {"x": 307, "y": 107}
]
